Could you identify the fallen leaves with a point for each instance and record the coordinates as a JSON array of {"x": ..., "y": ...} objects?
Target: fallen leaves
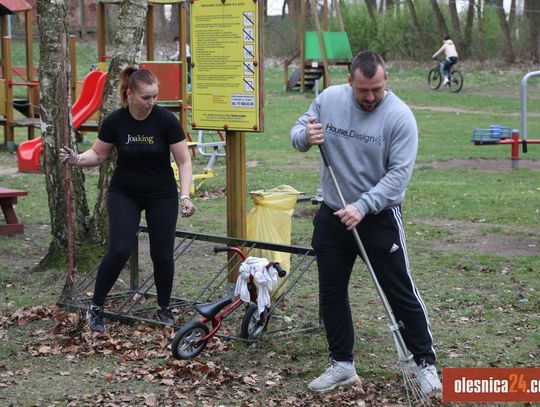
[
  {"x": 23, "y": 316},
  {"x": 142, "y": 354}
]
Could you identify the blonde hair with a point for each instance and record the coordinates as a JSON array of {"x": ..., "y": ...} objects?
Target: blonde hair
[{"x": 130, "y": 77}]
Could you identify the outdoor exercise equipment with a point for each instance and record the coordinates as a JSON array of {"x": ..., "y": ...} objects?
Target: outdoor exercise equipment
[
  {"x": 212, "y": 150},
  {"x": 318, "y": 49},
  {"x": 89, "y": 102},
  {"x": 504, "y": 135}
]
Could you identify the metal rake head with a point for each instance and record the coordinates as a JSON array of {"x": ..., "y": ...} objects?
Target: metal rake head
[{"x": 410, "y": 372}]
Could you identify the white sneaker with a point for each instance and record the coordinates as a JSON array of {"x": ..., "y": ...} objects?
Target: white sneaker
[
  {"x": 445, "y": 80},
  {"x": 334, "y": 376},
  {"x": 428, "y": 379}
]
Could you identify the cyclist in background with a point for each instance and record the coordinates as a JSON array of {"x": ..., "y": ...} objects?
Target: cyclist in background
[{"x": 450, "y": 57}]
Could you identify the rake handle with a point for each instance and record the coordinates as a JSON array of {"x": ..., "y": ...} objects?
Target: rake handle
[{"x": 394, "y": 325}]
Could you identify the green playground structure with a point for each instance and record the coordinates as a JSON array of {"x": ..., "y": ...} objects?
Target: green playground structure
[
  {"x": 318, "y": 50},
  {"x": 336, "y": 45}
]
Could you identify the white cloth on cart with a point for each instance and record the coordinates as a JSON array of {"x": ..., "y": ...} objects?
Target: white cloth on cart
[{"x": 265, "y": 278}]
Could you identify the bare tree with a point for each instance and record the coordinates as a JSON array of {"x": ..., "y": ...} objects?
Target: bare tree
[
  {"x": 443, "y": 29},
  {"x": 532, "y": 10},
  {"x": 468, "y": 30},
  {"x": 56, "y": 128},
  {"x": 509, "y": 56},
  {"x": 481, "y": 34},
  {"x": 454, "y": 18},
  {"x": 512, "y": 16},
  {"x": 127, "y": 45},
  {"x": 294, "y": 9},
  {"x": 414, "y": 21},
  {"x": 371, "y": 8}
]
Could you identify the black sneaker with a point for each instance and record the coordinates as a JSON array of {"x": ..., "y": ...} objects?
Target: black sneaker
[
  {"x": 94, "y": 315},
  {"x": 165, "y": 315}
]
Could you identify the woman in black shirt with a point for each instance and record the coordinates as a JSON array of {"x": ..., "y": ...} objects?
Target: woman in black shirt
[{"x": 144, "y": 134}]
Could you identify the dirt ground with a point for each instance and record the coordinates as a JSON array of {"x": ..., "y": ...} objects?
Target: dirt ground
[{"x": 471, "y": 236}]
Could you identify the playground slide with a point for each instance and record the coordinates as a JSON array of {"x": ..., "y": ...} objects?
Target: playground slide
[
  {"x": 83, "y": 113},
  {"x": 87, "y": 90},
  {"x": 89, "y": 101}
]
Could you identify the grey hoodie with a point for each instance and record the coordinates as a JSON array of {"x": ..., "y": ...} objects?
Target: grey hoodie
[{"x": 372, "y": 153}]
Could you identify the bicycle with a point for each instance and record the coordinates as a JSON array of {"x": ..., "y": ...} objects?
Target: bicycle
[
  {"x": 435, "y": 77},
  {"x": 192, "y": 338}
]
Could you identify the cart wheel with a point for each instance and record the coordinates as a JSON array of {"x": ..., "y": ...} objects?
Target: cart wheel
[
  {"x": 251, "y": 327},
  {"x": 184, "y": 344},
  {"x": 434, "y": 79}
]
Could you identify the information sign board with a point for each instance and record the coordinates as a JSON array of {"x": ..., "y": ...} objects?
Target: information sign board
[{"x": 226, "y": 70}]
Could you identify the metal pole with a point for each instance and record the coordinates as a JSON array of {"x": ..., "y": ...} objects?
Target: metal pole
[
  {"x": 515, "y": 149},
  {"x": 524, "y": 107}
]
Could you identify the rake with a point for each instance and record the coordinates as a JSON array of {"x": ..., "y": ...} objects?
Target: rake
[
  {"x": 408, "y": 366},
  {"x": 70, "y": 294}
]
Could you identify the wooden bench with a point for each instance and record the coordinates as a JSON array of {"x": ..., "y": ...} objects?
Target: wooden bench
[{"x": 8, "y": 198}]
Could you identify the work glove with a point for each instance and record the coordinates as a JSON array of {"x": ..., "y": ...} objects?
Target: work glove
[
  {"x": 67, "y": 155},
  {"x": 187, "y": 206}
]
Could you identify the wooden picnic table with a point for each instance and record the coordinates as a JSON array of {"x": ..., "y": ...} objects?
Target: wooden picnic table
[{"x": 8, "y": 198}]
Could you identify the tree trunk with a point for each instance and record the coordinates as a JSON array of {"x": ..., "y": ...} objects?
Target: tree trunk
[
  {"x": 56, "y": 129},
  {"x": 416, "y": 25},
  {"x": 443, "y": 29},
  {"x": 294, "y": 9},
  {"x": 532, "y": 8},
  {"x": 512, "y": 15},
  {"x": 371, "y": 7},
  {"x": 481, "y": 35},
  {"x": 82, "y": 14},
  {"x": 509, "y": 56},
  {"x": 454, "y": 18},
  {"x": 468, "y": 30},
  {"x": 126, "y": 49}
]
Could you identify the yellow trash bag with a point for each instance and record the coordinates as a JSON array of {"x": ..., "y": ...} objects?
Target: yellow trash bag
[{"x": 270, "y": 221}]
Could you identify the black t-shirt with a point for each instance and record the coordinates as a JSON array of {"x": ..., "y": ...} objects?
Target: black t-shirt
[{"x": 143, "y": 166}]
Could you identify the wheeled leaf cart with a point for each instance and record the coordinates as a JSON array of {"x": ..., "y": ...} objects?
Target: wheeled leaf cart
[
  {"x": 260, "y": 286},
  {"x": 192, "y": 338}
]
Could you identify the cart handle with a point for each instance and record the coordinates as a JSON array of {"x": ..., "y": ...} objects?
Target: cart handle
[
  {"x": 276, "y": 265},
  {"x": 278, "y": 268},
  {"x": 219, "y": 249}
]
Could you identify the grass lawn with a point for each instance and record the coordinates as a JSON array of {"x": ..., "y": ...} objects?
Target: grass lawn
[{"x": 473, "y": 233}]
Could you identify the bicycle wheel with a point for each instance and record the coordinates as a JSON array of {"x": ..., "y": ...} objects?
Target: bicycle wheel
[
  {"x": 434, "y": 79},
  {"x": 456, "y": 81},
  {"x": 184, "y": 344},
  {"x": 251, "y": 327}
]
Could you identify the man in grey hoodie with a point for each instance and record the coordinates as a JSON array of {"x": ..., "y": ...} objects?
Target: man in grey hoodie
[{"x": 371, "y": 139}]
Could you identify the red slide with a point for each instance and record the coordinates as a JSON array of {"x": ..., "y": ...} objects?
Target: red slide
[{"x": 89, "y": 102}]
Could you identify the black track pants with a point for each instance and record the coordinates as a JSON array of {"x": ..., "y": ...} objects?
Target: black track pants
[
  {"x": 124, "y": 217},
  {"x": 336, "y": 251}
]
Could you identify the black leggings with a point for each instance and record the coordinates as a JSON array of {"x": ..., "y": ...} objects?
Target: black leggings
[{"x": 124, "y": 217}]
